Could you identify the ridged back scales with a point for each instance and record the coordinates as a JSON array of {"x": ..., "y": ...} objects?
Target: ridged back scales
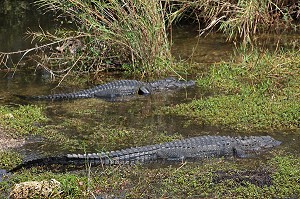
[
  {"x": 196, "y": 147},
  {"x": 116, "y": 89},
  {"x": 108, "y": 90},
  {"x": 191, "y": 148}
]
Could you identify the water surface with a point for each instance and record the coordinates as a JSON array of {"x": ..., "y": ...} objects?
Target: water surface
[{"x": 138, "y": 114}]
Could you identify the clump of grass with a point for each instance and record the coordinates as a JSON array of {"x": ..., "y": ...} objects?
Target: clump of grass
[
  {"x": 8, "y": 159},
  {"x": 259, "y": 92},
  {"x": 240, "y": 18},
  {"x": 286, "y": 176},
  {"x": 109, "y": 34},
  {"x": 22, "y": 120},
  {"x": 239, "y": 112},
  {"x": 252, "y": 17},
  {"x": 267, "y": 73}
]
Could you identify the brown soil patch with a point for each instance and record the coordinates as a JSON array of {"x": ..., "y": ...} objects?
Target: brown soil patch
[
  {"x": 7, "y": 141},
  {"x": 257, "y": 177}
]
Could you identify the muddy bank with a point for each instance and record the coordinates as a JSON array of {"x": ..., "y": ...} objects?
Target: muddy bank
[{"x": 7, "y": 141}]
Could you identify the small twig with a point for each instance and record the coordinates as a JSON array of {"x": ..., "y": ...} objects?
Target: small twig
[
  {"x": 182, "y": 165},
  {"x": 26, "y": 51},
  {"x": 31, "y": 49},
  {"x": 70, "y": 68},
  {"x": 212, "y": 24}
]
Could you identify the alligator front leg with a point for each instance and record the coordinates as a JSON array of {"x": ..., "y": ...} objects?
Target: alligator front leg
[{"x": 240, "y": 153}]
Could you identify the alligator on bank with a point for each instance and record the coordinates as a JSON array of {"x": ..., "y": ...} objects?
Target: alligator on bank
[
  {"x": 187, "y": 149},
  {"x": 118, "y": 89}
]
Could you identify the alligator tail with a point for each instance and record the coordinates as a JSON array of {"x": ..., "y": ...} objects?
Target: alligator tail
[
  {"x": 76, "y": 160},
  {"x": 91, "y": 159},
  {"x": 60, "y": 160},
  {"x": 23, "y": 97},
  {"x": 55, "y": 97}
]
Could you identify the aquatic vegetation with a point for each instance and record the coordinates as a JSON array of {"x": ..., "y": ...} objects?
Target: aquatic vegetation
[
  {"x": 258, "y": 93},
  {"x": 251, "y": 112},
  {"x": 22, "y": 120},
  {"x": 8, "y": 159},
  {"x": 101, "y": 137}
]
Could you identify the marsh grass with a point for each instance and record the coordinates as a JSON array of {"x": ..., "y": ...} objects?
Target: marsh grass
[
  {"x": 114, "y": 33},
  {"x": 264, "y": 72},
  {"x": 9, "y": 159},
  {"x": 133, "y": 35},
  {"x": 240, "y": 19},
  {"x": 257, "y": 91},
  {"x": 188, "y": 180},
  {"x": 21, "y": 121}
]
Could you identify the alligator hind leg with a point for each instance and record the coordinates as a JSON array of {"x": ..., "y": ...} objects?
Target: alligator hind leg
[{"x": 144, "y": 91}]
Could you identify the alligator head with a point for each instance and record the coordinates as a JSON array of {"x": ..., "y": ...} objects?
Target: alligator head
[
  {"x": 254, "y": 144},
  {"x": 170, "y": 83},
  {"x": 259, "y": 142}
]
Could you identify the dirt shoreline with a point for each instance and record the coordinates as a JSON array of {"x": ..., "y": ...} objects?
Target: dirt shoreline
[{"x": 7, "y": 142}]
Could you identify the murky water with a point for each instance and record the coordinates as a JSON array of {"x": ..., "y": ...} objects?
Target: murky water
[
  {"x": 136, "y": 114},
  {"x": 187, "y": 45}
]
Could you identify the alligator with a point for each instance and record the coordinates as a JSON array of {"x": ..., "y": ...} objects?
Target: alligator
[
  {"x": 117, "y": 89},
  {"x": 179, "y": 150}
]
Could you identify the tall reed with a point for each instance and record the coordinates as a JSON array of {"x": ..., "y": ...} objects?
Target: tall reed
[
  {"x": 242, "y": 18},
  {"x": 132, "y": 29}
]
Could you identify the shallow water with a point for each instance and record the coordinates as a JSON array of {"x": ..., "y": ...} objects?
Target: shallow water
[
  {"x": 205, "y": 50},
  {"x": 136, "y": 114}
]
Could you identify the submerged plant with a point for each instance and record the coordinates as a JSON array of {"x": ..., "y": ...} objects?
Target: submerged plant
[
  {"x": 23, "y": 120},
  {"x": 259, "y": 92}
]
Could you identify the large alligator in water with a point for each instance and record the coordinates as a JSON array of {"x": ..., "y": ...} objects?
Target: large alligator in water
[
  {"x": 118, "y": 89},
  {"x": 187, "y": 149}
]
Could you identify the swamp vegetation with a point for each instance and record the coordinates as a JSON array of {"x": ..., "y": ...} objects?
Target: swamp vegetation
[
  {"x": 133, "y": 35},
  {"x": 256, "y": 91}
]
